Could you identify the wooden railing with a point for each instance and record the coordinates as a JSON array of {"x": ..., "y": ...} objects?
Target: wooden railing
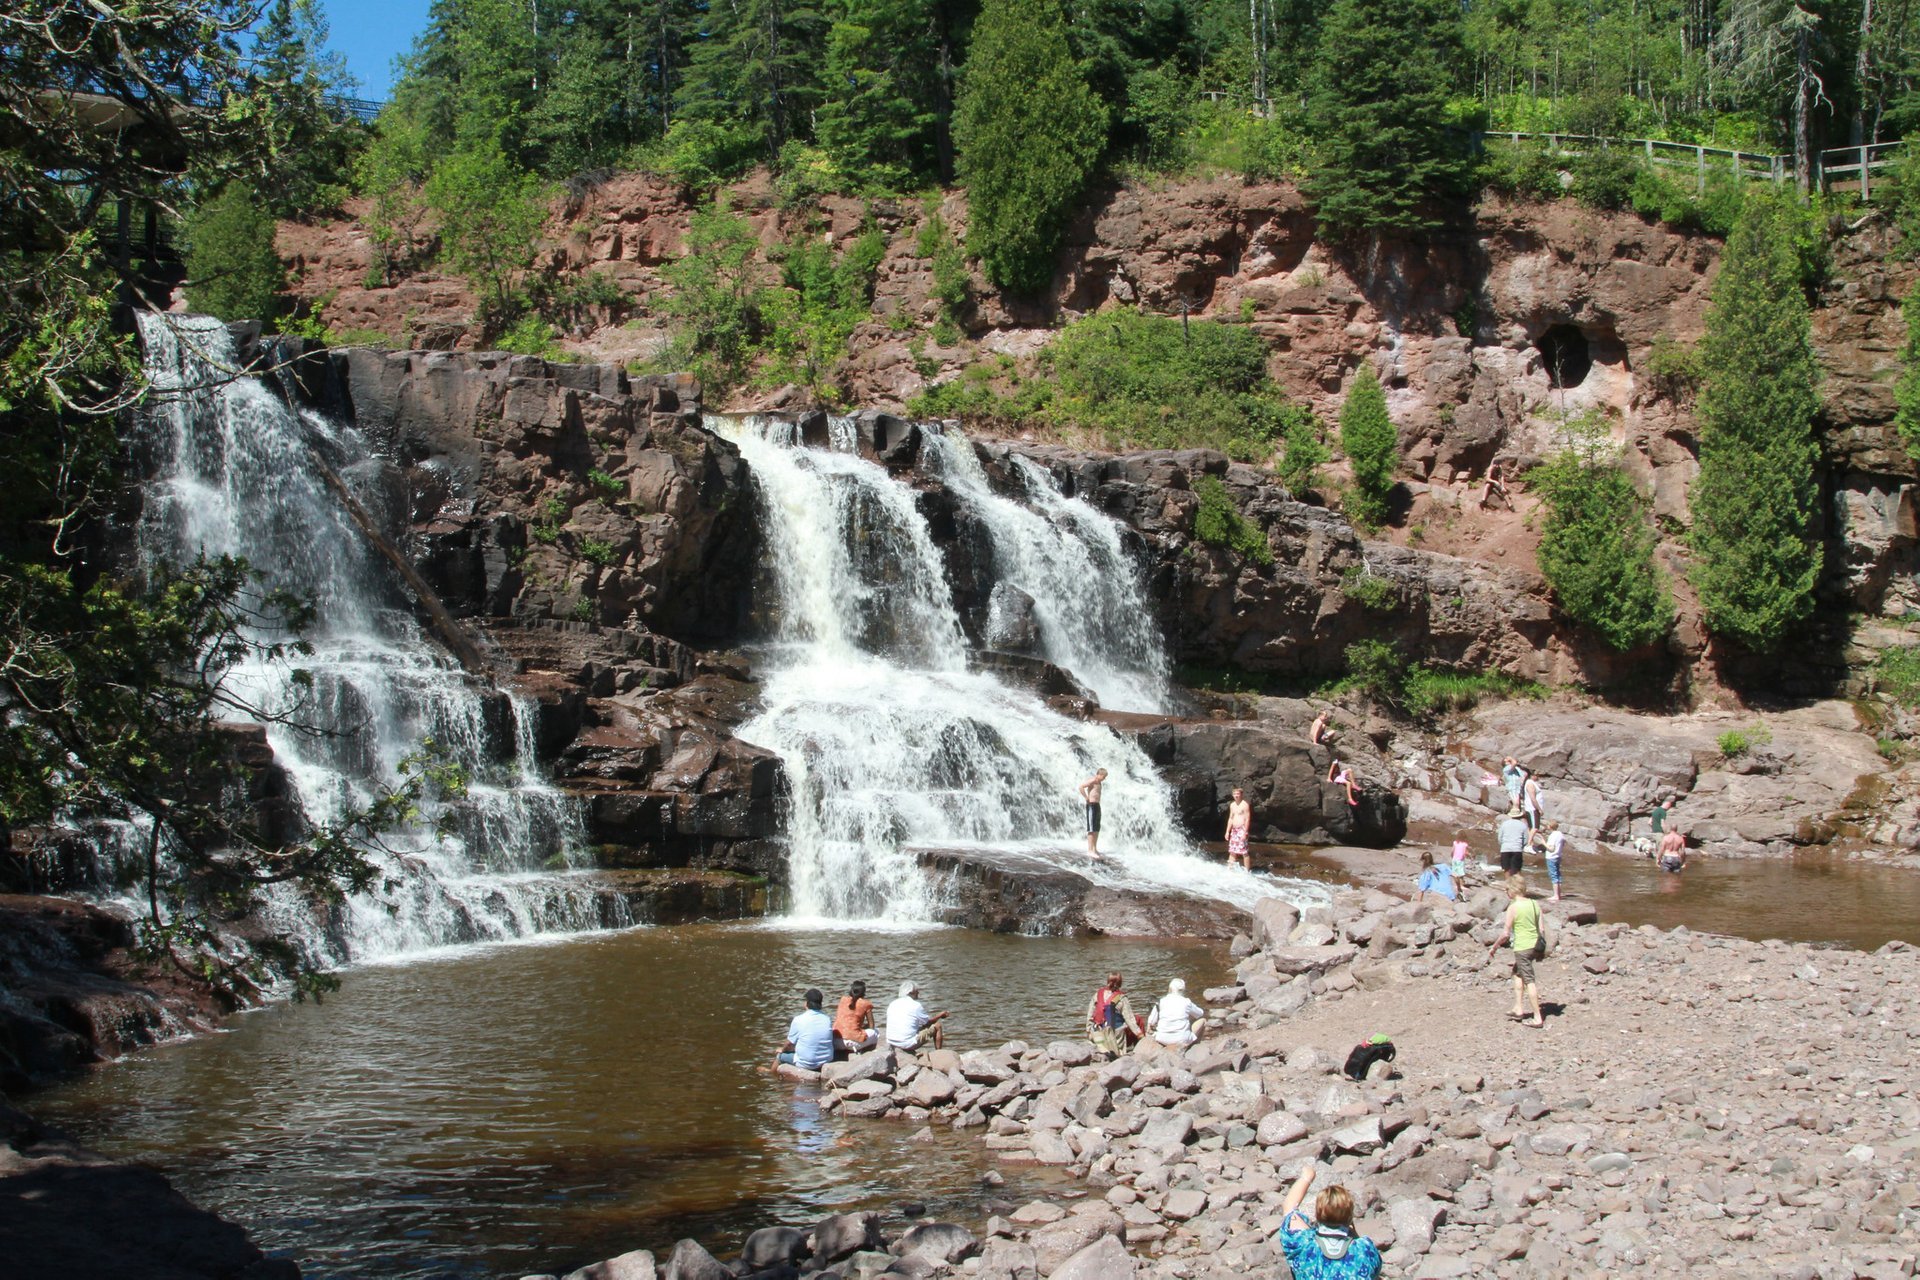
[{"x": 1838, "y": 168}]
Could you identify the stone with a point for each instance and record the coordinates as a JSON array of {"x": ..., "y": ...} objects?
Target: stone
[
  {"x": 1414, "y": 1220},
  {"x": 1104, "y": 1259},
  {"x": 689, "y": 1261},
  {"x": 1071, "y": 1053},
  {"x": 845, "y": 1233},
  {"x": 943, "y": 1241},
  {"x": 1357, "y": 1139},
  {"x": 637, "y": 1265},
  {"x": 1166, "y": 1131},
  {"x": 877, "y": 1065},
  {"x": 928, "y": 1088},
  {"x": 1279, "y": 1129},
  {"x": 1184, "y": 1204},
  {"x": 1273, "y": 921},
  {"x": 770, "y": 1245}
]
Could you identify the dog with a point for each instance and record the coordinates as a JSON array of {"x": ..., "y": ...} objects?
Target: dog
[{"x": 1644, "y": 846}]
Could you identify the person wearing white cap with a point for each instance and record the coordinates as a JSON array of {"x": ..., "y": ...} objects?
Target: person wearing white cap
[
  {"x": 1175, "y": 1020},
  {"x": 908, "y": 1020}
]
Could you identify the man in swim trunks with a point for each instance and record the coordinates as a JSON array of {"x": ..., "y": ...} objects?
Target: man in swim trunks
[
  {"x": 1673, "y": 851},
  {"x": 1090, "y": 792},
  {"x": 1239, "y": 819}
]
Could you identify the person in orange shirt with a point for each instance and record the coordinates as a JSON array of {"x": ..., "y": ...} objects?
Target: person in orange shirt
[{"x": 853, "y": 1021}]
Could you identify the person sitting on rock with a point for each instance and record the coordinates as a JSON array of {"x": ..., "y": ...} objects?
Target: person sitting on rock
[
  {"x": 1435, "y": 878},
  {"x": 908, "y": 1020},
  {"x": 1341, "y": 776},
  {"x": 1495, "y": 490},
  {"x": 810, "y": 1038},
  {"x": 1321, "y": 732},
  {"x": 1175, "y": 1021},
  {"x": 1325, "y": 1246},
  {"x": 853, "y": 1021},
  {"x": 1112, "y": 1024}
]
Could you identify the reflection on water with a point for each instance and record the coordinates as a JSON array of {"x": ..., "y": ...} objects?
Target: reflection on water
[
  {"x": 1813, "y": 897},
  {"x": 534, "y": 1108}
]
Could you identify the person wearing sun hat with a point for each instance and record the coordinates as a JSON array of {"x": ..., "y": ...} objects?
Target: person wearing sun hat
[
  {"x": 1175, "y": 1020},
  {"x": 908, "y": 1020}
]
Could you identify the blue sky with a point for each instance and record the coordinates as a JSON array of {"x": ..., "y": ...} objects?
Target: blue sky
[{"x": 371, "y": 33}]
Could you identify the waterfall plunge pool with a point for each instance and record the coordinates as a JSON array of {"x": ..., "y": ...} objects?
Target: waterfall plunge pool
[{"x": 507, "y": 1110}]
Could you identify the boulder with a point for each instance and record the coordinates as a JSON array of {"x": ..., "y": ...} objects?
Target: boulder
[
  {"x": 941, "y": 1241},
  {"x": 771, "y": 1245},
  {"x": 845, "y": 1233},
  {"x": 637, "y": 1265},
  {"x": 1273, "y": 921},
  {"x": 877, "y": 1065},
  {"x": 1104, "y": 1259},
  {"x": 689, "y": 1261}
]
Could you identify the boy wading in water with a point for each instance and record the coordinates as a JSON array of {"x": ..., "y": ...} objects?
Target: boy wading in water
[{"x": 1090, "y": 792}]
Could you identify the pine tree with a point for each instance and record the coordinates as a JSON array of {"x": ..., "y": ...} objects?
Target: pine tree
[
  {"x": 883, "y": 118},
  {"x": 1755, "y": 499},
  {"x": 232, "y": 269},
  {"x": 1029, "y": 132},
  {"x": 1596, "y": 550},
  {"x": 755, "y": 72},
  {"x": 1372, "y": 448},
  {"x": 1377, "y": 102}
]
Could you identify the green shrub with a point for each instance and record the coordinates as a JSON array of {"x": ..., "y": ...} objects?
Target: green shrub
[
  {"x": 1218, "y": 523},
  {"x": 1372, "y": 447},
  {"x": 609, "y": 487},
  {"x": 1604, "y": 177},
  {"x": 1672, "y": 367},
  {"x": 702, "y": 154},
  {"x": 1597, "y": 550},
  {"x": 1897, "y": 674},
  {"x": 1305, "y": 453},
  {"x": 1369, "y": 590},
  {"x": 1376, "y": 669},
  {"x": 594, "y": 549},
  {"x": 952, "y": 285},
  {"x": 490, "y": 218},
  {"x": 1522, "y": 171},
  {"x": 717, "y": 307},
  {"x": 233, "y": 271},
  {"x": 1429, "y": 692},
  {"x": 1906, "y": 390},
  {"x": 546, "y": 524},
  {"x": 529, "y": 336},
  {"x": 1734, "y": 743}
]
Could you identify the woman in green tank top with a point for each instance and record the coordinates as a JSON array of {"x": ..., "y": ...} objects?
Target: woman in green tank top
[{"x": 1524, "y": 930}]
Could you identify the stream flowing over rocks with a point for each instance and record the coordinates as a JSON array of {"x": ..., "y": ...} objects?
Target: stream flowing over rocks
[{"x": 1695, "y": 1105}]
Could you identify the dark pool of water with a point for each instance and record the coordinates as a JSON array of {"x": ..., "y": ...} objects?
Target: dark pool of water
[
  {"x": 1811, "y": 897},
  {"x": 534, "y": 1108}
]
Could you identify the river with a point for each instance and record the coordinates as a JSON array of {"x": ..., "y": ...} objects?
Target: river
[{"x": 533, "y": 1107}]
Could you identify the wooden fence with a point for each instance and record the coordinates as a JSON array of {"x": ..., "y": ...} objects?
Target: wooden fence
[{"x": 1836, "y": 169}]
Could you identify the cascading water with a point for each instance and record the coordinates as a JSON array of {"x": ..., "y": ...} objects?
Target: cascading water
[
  {"x": 891, "y": 744},
  {"x": 234, "y": 474}
]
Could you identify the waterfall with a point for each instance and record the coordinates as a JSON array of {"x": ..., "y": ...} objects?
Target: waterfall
[
  {"x": 1094, "y": 618},
  {"x": 890, "y": 744},
  {"x": 233, "y": 473}
]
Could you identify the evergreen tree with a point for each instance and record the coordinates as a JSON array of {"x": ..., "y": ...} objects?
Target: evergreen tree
[
  {"x": 232, "y": 269},
  {"x": 1596, "y": 550},
  {"x": 313, "y": 143},
  {"x": 1377, "y": 103},
  {"x": 490, "y": 218},
  {"x": 887, "y": 104},
  {"x": 1755, "y": 499},
  {"x": 754, "y": 72},
  {"x": 1029, "y": 132},
  {"x": 1372, "y": 448}
]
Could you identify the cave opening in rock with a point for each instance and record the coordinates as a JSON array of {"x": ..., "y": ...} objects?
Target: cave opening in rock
[{"x": 1564, "y": 350}]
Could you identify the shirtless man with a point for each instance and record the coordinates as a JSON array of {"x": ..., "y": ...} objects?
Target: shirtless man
[
  {"x": 1318, "y": 733},
  {"x": 1673, "y": 851},
  {"x": 1090, "y": 792},
  {"x": 1239, "y": 820}
]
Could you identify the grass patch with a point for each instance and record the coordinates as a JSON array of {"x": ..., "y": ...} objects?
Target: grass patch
[{"x": 1369, "y": 590}]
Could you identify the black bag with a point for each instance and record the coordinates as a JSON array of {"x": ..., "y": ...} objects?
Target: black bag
[{"x": 1365, "y": 1055}]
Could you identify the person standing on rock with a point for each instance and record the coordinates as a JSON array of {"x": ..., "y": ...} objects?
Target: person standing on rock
[
  {"x": 1556, "y": 846},
  {"x": 809, "y": 1037},
  {"x": 1325, "y": 1246},
  {"x": 1239, "y": 821},
  {"x": 1112, "y": 1025},
  {"x": 1090, "y": 792},
  {"x": 1175, "y": 1020},
  {"x": 1657, "y": 819},
  {"x": 1525, "y": 929},
  {"x": 908, "y": 1020},
  {"x": 1514, "y": 777},
  {"x": 1530, "y": 800},
  {"x": 1513, "y": 842},
  {"x": 853, "y": 1020},
  {"x": 1460, "y": 859}
]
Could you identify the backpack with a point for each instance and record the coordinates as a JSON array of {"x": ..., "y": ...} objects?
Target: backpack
[
  {"x": 1378, "y": 1049},
  {"x": 1109, "y": 1013}
]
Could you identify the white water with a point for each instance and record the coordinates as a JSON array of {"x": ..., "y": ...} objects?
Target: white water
[
  {"x": 234, "y": 476},
  {"x": 890, "y": 744}
]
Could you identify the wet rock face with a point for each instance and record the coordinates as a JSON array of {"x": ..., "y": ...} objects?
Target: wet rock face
[{"x": 1007, "y": 892}]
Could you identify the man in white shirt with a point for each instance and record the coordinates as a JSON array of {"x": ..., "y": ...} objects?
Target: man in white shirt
[
  {"x": 908, "y": 1020},
  {"x": 1175, "y": 1020}
]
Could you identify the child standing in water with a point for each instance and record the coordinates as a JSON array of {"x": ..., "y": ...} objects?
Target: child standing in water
[{"x": 1239, "y": 819}]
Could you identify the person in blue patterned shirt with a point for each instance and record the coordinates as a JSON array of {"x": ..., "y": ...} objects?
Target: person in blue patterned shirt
[{"x": 1325, "y": 1246}]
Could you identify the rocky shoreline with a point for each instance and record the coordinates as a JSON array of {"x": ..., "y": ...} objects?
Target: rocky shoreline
[{"x": 1695, "y": 1105}]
